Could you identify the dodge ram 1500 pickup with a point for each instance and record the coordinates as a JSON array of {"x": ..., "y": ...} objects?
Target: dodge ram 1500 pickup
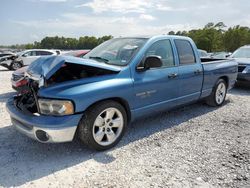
[{"x": 118, "y": 81}]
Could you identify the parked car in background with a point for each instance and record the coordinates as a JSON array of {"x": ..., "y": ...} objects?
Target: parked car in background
[
  {"x": 242, "y": 57},
  {"x": 21, "y": 62},
  {"x": 6, "y": 59},
  {"x": 203, "y": 53},
  {"x": 122, "y": 79},
  {"x": 19, "y": 82},
  {"x": 26, "y": 57},
  {"x": 220, "y": 55}
]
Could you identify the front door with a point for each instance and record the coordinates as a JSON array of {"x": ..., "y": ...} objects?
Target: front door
[
  {"x": 29, "y": 57},
  {"x": 157, "y": 88}
]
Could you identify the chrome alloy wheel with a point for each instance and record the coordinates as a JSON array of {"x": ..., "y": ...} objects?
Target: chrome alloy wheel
[
  {"x": 108, "y": 126},
  {"x": 220, "y": 93}
]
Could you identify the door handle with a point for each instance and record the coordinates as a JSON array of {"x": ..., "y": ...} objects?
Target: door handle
[
  {"x": 197, "y": 71},
  {"x": 173, "y": 75}
]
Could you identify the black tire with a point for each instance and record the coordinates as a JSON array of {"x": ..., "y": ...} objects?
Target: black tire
[
  {"x": 85, "y": 127},
  {"x": 16, "y": 65},
  {"x": 211, "y": 100}
]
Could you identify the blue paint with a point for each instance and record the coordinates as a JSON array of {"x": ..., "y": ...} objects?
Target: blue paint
[{"x": 144, "y": 92}]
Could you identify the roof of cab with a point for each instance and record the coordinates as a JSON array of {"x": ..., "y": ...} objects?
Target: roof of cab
[{"x": 157, "y": 36}]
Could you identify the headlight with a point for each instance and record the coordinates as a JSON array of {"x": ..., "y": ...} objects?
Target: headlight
[{"x": 55, "y": 107}]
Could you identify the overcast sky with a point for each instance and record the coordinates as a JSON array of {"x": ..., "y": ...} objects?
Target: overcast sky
[{"x": 23, "y": 21}]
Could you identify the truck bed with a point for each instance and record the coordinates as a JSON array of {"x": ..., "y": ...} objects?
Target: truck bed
[
  {"x": 211, "y": 60},
  {"x": 213, "y": 69}
]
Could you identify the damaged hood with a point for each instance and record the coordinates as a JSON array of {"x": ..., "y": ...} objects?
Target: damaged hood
[{"x": 47, "y": 66}]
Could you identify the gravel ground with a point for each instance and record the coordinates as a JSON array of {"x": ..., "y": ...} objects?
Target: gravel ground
[{"x": 193, "y": 146}]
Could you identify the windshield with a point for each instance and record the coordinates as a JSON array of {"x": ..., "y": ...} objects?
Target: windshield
[
  {"x": 242, "y": 53},
  {"x": 117, "y": 51}
]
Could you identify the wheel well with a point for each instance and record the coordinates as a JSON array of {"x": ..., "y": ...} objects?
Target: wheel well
[
  {"x": 225, "y": 78},
  {"x": 121, "y": 101}
]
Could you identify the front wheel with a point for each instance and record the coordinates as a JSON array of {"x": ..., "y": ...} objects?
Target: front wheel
[
  {"x": 103, "y": 125},
  {"x": 218, "y": 94},
  {"x": 15, "y": 65}
]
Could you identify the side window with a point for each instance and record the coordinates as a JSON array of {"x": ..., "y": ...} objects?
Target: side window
[
  {"x": 162, "y": 48},
  {"x": 38, "y": 53},
  {"x": 44, "y": 53},
  {"x": 185, "y": 52},
  {"x": 30, "y": 53}
]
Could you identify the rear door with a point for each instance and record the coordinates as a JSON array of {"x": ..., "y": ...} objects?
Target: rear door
[
  {"x": 190, "y": 72},
  {"x": 157, "y": 88}
]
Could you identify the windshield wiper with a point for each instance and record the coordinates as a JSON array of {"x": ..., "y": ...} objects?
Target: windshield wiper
[{"x": 99, "y": 58}]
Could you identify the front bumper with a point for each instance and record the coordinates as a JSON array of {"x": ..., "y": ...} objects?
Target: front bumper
[
  {"x": 243, "y": 77},
  {"x": 55, "y": 128}
]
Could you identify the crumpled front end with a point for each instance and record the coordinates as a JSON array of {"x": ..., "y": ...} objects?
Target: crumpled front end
[
  {"x": 53, "y": 118},
  {"x": 25, "y": 117}
]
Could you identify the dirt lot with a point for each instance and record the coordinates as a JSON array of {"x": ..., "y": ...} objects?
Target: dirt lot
[{"x": 194, "y": 146}]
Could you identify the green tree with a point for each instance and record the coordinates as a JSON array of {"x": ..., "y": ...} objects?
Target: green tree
[
  {"x": 171, "y": 33},
  {"x": 235, "y": 37},
  {"x": 212, "y": 37}
]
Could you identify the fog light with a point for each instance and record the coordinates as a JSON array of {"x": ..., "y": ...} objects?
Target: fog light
[{"x": 42, "y": 136}]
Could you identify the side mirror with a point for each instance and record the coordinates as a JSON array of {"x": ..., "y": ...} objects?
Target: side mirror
[
  {"x": 25, "y": 55},
  {"x": 152, "y": 61}
]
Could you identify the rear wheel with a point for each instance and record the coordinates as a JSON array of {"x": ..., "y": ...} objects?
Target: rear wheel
[
  {"x": 103, "y": 125},
  {"x": 218, "y": 94}
]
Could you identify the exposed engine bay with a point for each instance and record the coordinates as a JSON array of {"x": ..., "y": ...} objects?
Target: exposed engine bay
[
  {"x": 70, "y": 71},
  {"x": 27, "y": 99}
]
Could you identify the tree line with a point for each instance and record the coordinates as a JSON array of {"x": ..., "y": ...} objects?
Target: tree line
[
  {"x": 212, "y": 38},
  {"x": 215, "y": 37},
  {"x": 64, "y": 43}
]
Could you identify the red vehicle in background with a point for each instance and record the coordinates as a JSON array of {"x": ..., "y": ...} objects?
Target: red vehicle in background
[
  {"x": 77, "y": 53},
  {"x": 18, "y": 80}
]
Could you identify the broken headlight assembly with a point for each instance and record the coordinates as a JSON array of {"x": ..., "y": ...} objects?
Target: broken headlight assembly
[{"x": 55, "y": 107}]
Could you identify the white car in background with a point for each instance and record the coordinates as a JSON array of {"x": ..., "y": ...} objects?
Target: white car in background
[
  {"x": 26, "y": 57},
  {"x": 6, "y": 59},
  {"x": 203, "y": 53}
]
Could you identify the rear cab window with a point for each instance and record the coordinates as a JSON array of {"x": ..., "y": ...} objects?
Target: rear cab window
[{"x": 185, "y": 52}]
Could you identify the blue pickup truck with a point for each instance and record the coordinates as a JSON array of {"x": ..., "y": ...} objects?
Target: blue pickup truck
[{"x": 120, "y": 80}]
